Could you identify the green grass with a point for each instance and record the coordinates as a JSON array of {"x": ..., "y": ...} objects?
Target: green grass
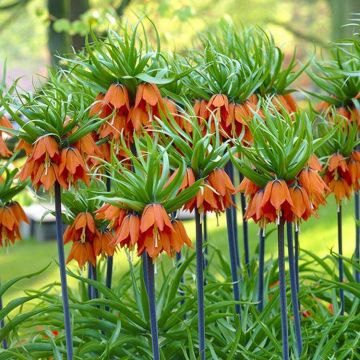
[{"x": 318, "y": 235}]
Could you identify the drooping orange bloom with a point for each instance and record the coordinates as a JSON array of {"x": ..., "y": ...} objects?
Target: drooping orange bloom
[
  {"x": 247, "y": 187},
  {"x": 354, "y": 169},
  {"x": 340, "y": 188},
  {"x": 100, "y": 107},
  {"x": 47, "y": 164},
  {"x": 148, "y": 102},
  {"x": 104, "y": 244},
  {"x": 301, "y": 208},
  {"x": 235, "y": 124},
  {"x": 179, "y": 236},
  {"x": 46, "y": 176},
  {"x": 314, "y": 163},
  {"x": 114, "y": 127},
  {"x": 128, "y": 232},
  {"x": 117, "y": 96},
  {"x": 314, "y": 185},
  {"x": 88, "y": 149},
  {"x": 254, "y": 210},
  {"x": 201, "y": 109},
  {"x": 23, "y": 145},
  {"x": 115, "y": 215},
  {"x": 82, "y": 229},
  {"x": 276, "y": 200},
  {"x": 219, "y": 105},
  {"x": 11, "y": 216},
  {"x": 286, "y": 101},
  {"x": 214, "y": 196},
  {"x": 152, "y": 232},
  {"x": 4, "y": 150},
  {"x": 337, "y": 161},
  {"x": 349, "y": 112},
  {"x": 42, "y": 163},
  {"x": 115, "y": 106},
  {"x": 83, "y": 253},
  {"x": 339, "y": 178},
  {"x": 156, "y": 231},
  {"x": 82, "y": 233},
  {"x": 159, "y": 234},
  {"x": 72, "y": 167}
]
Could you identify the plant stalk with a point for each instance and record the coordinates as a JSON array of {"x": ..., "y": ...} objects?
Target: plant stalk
[
  {"x": 297, "y": 248},
  {"x": 293, "y": 287},
  {"x": 89, "y": 277},
  {"x": 61, "y": 255},
  {"x": 282, "y": 284},
  {"x": 245, "y": 229},
  {"x": 357, "y": 234},
  {"x": 178, "y": 261},
  {"x": 233, "y": 264},
  {"x": 152, "y": 308},
  {"x": 206, "y": 249},
  {"x": 145, "y": 269},
  {"x": 109, "y": 259},
  {"x": 340, "y": 261},
  {"x": 200, "y": 284},
  {"x": 234, "y": 250},
  {"x": 95, "y": 293},
  {"x": 261, "y": 269}
]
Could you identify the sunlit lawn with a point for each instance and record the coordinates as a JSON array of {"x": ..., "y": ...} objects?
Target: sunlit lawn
[{"x": 318, "y": 235}]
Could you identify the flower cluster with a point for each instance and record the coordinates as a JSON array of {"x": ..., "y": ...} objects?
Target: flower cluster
[
  {"x": 343, "y": 175},
  {"x": 48, "y": 163},
  {"x": 87, "y": 240},
  {"x": 152, "y": 231},
  {"x": 293, "y": 200},
  {"x": 287, "y": 185},
  {"x": 215, "y": 193}
]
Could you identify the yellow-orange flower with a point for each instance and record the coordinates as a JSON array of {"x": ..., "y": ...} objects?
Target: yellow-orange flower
[
  {"x": 152, "y": 232},
  {"x": 148, "y": 102},
  {"x": 72, "y": 167},
  {"x": 276, "y": 199},
  {"x": 87, "y": 241},
  {"x": 42, "y": 163},
  {"x": 11, "y": 216},
  {"x": 314, "y": 185},
  {"x": 104, "y": 244},
  {"x": 286, "y": 101},
  {"x": 339, "y": 178},
  {"x": 301, "y": 208},
  {"x": 4, "y": 150}
]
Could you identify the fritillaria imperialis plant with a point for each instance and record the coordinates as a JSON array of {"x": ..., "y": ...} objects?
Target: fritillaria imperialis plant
[
  {"x": 277, "y": 181},
  {"x": 124, "y": 72},
  {"x": 57, "y": 143},
  {"x": 341, "y": 171},
  {"x": 205, "y": 155},
  {"x": 140, "y": 208},
  {"x": 223, "y": 87},
  {"x": 339, "y": 79}
]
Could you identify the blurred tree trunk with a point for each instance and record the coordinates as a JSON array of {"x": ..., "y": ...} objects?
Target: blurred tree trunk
[
  {"x": 121, "y": 8},
  {"x": 58, "y": 42},
  {"x": 77, "y": 8},
  {"x": 342, "y": 11}
]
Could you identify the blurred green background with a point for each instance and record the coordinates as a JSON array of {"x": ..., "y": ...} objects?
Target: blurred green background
[{"x": 32, "y": 32}]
